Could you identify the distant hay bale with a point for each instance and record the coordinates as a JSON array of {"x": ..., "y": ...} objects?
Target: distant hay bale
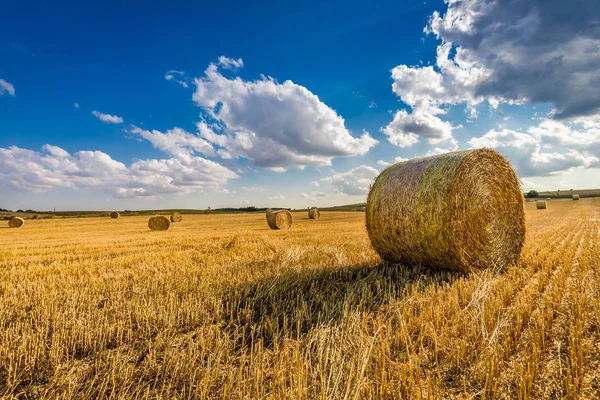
[
  {"x": 176, "y": 217},
  {"x": 159, "y": 223},
  {"x": 314, "y": 213},
  {"x": 281, "y": 219},
  {"x": 364, "y": 209},
  {"x": 459, "y": 211},
  {"x": 15, "y": 222},
  {"x": 114, "y": 215},
  {"x": 575, "y": 197},
  {"x": 541, "y": 204},
  {"x": 207, "y": 211}
]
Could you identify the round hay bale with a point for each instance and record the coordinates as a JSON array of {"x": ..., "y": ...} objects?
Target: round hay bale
[
  {"x": 281, "y": 219},
  {"x": 114, "y": 215},
  {"x": 269, "y": 210},
  {"x": 541, "y": 205},
  {"x": 208, "y": 211},
  {"x": 575, "y": 197},
  {"x": 15, "y": 222},
  {"x": 176, "y": 217},
  {"x": 458, "y": 211},
  {"x": 159, "y": 223},
  {"x": 314, "y": 213}
]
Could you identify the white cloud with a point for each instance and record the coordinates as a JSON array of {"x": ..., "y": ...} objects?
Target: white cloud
[
  {"x": 253, "y": 189},
  {"x": 372, "y": 104},
  {"x": 315, "y": 183},
  {"x": 502, "y": 52},
  {"x": 354, "y": 182},
  {"x": 54, "y": 167},
  {"x": 280, "y": 197},
  {"x": 176, "y": 142},
  {"x": 6, "y": 87},
  {"x": 230, "y": 63},
  {"x": 524, "y": 151},
  {"x": 76, "y": 105},
  {"x": 177, "y": 76},
  {"x": 313, "y": 195},
  {"x": 273, "y": 125},
  {"x": 113, "y": 119}
]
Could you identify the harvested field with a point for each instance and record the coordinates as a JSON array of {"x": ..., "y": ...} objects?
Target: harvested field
[{"x": 224, "y": 307}]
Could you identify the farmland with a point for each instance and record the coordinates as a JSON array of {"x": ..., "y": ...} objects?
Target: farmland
[{"x": 219, "y": 306}]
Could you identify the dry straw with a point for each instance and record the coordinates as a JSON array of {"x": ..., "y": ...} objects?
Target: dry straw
[
  {"x": 15, "y": 222},
  {"x": 114, "y": 214},
  {"x": 541, "y": 204},
  {"x": 176, "y": 217},
  {"x": 314, "y": 213},
  {"x": 281, "y": 219},
  {"x": 459, "y": 211},
  {"x": 159, "y": 223},
  {"x": 575, "y": 197}
]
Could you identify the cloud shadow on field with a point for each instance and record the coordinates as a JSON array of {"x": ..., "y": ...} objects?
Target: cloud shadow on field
[{"x": 291, "y": 305}]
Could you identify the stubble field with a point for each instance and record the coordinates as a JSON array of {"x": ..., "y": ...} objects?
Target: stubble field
[{"x": 220, "y": 306}]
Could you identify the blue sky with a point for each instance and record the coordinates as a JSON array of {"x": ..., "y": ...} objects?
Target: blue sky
[{"x": 149, "y": 105}]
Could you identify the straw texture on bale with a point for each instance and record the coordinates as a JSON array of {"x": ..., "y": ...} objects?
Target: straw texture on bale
[
  {"x": 15, "y": 222},
  {"x": 541, "y": 204},
  {"x": 460, "y": 211},
  {"x": 114, "y": 214},
  {"x": 176, "y": 217},
  {"x": 575, "y": 197},
  {"x": 159, "y": 223},
  {"x": 281, "y": 219},
  {"x": 314, "y": 213}
]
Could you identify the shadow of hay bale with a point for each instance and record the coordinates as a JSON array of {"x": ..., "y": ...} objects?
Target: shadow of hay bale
[{"x": 292, "y": 305}]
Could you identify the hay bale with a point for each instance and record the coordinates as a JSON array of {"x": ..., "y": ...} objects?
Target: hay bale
[
  {"x": 176, "y": 217},
  {"x": 281, "y": 219},
  {"x": 159, "y": 223},
  {"x": 15, "y": 222},
  {"x": 459, "y": 211},
  {"x": 207, "y": 211},
  {"x": 314, "y": 213},
  {"x": 114, "y": 215},
  {"x": 575, "y": 197},
  {"x": 541, "y": 204}
]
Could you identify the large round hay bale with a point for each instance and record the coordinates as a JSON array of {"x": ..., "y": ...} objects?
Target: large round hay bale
[
  {"x": 575, "y": 197},
  {"x": 15, "y": 222},
  {"x": 207, "y": 211},
  {"x": 541, "y": 205},
  {"x": 159, "y": 223},
  {"x": 314, "y": 213},
  {"x": 281, "y": 219},
  {"x": 176, "y": 217},
  {"x": 459, "y": 211},
  {"x": 114, "y": 215}
]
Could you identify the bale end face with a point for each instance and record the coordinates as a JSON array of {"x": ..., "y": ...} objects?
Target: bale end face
[
  {"x": 15, "y": 222},
  {"x": 314, "y": 213},
  {"x": 541, "y": 205},
  {"x": 159, "y": 223},
  {"x": 114, "y": 215},
  {"x": 459, "y": 211},
  {"x": 575, "y": 197},
  {"x": 176, "y": 217},
  {"x": 281, "y": 219}
]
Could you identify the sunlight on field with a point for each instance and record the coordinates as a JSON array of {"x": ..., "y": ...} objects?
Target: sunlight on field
[{"x": 221, "y": 306}]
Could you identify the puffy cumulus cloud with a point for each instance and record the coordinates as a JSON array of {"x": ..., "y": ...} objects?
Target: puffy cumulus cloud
[
  {"x": 230, "y": 63},
  {"x": 177, "y": 76},
  {"x": 6, "y": 87},
  {"x": 538, "y": 51},
  {"x": 112, "y": 119},
  {"x": 524, "y": 151},
  {"x": 273, "y": 125},
  {"x": 54, "y": 167},
  {"x": 176, "y": 142},
  {"x": 406, "y": 128},
  {"x": 355, "y": 182}
]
